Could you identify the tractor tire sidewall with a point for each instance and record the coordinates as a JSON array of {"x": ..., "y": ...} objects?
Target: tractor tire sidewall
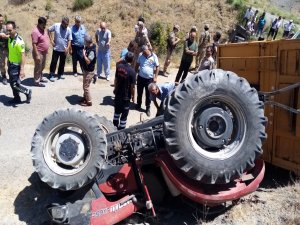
[
  {"x": 107, "y": 125},
  {"x": 176, "y": 126},
  {"x": 98, "y": 149}
]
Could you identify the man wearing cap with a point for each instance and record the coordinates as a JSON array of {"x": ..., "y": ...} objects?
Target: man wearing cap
[
  {"x": 171, "y": 44},
  {"x": 40, "y": 46},
  {"x": 103, "y": 39},
  {"x": 3, "y": 49},
  {"x": 204, "y": 40},
  {"x": 61, "y": 46},
  {"x": 190, "y": 50},
  {"x": 88, "y": 67},
  {"x": 77, "y": 43},
  {"x": 124, "y": 90},
  {"x": 141, "y": 39},
  {"x": 287, "y": 28},
  {"x": 147, "y": 67},
  {"x": 16, "y": 64}
]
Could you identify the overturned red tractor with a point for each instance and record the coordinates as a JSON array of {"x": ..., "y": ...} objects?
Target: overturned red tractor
[{"x": 207, "y": 146}]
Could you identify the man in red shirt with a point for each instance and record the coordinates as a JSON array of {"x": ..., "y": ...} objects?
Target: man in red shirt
[{"x": 40, "y": 46}]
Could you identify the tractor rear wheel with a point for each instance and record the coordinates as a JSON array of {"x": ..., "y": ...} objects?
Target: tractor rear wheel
[{"x": 214, "y": 126}]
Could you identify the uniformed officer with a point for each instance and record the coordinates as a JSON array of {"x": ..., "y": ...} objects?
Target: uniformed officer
[
  {"x": 3, "y": 49},
  {"x": 124, "y": 90},
  {"x": 16, "y": 63}
]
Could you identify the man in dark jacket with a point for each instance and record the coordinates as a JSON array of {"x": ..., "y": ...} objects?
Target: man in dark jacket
[
  {"x": 124, "y": 90},
  {"x": 88, "y": 66}
]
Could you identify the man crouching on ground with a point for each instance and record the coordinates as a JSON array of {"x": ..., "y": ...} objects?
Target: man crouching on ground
[{"x": 88, "y": 64}]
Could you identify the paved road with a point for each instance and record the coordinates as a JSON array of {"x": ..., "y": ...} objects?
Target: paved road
[{"x": 20, "y": 196}]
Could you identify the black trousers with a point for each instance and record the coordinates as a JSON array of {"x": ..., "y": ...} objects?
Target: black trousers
[
  {"x": 121, "y": 112},
  {"x": 77, "y": 56},
  {"x": 15, "y": 82},
  {"x": 142, "y": 83},
  {"x": 62, "y": 61},
  {"x": 183, "y": 68}
]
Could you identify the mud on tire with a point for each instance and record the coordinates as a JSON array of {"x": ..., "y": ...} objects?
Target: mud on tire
[
  {"x": 68, "y": 149},
  {"x": 214, "y": 126}
]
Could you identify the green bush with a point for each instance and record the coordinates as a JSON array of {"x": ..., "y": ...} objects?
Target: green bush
[
  {"x": 82, "y": 4},
  {"x": 158, "y": 37},
  {"x": 48, "y": 6},
  {"x": 239, "y": 4}
]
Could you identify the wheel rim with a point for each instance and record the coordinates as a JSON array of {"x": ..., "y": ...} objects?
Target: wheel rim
[
  {"x": 217, "y": 127},
  {"x": 67, "y": 149}
]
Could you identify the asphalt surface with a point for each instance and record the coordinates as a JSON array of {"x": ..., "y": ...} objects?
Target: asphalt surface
[{"x": 20, "y": 189}]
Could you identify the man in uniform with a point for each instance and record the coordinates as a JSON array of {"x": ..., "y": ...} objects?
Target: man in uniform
[
  {"x": 16, "y": 63},
  {"x": 204, "y": 40},
  {"x": 124, "y": 90},
  {"x": 147, "y": 67},
  {"x": 3, "y": 49},
  {"x": 171, "y": 44}
]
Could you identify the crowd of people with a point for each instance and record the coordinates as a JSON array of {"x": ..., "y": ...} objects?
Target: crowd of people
[
  {"x": 138, "y": 66},
  {"x": 256, "y": 25}
]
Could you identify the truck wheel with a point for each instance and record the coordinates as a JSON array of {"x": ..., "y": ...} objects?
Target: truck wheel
[
  {"x": 214, "y": 126},
  {"x": 106, "y": 125},
  {"x": 68, "y": 149}
]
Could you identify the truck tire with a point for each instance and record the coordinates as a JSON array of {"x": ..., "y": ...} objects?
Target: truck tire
[
  {"x": 68, "y": 149},
  {"x": 214, "y": 126},
  {"x": 106, "y": 125}
]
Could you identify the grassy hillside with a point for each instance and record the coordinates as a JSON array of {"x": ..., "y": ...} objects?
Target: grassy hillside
[{"x": 121, "y": 16}]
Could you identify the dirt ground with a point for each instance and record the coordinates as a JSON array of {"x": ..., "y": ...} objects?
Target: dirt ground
[{"x": 23, "y": 197}]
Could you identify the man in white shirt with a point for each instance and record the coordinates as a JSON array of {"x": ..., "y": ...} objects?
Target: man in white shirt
[
  {"x": 248, "y": 15},
  {"x": 287, "y": 28}
]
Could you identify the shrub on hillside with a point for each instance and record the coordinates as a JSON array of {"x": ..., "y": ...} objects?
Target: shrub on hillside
[
  {"x": 82, "y": 4},
  {"x": 158, "y": 37},
  {"x": 18, "y": 2}
]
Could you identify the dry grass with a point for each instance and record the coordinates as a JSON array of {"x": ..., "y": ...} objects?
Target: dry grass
[
  {"x": 121, "y": 16},
  {"x": 265, "y": 206}
]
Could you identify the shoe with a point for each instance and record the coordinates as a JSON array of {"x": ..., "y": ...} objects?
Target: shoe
[
  {"x": 4, "y": 81},
  {"x": 94, "y": 79},
  {"x": 43, "y": 81},
  {"x": 14, "y": 101},
  {"x": 28, "y": 96},
  {"x": 168, "y": 73},
  {"x": 148, "y": 113},
  {"x": 107, "y": 78},
  {"x": 85, "y": 103},
  {"x": 51, "y": 78},
  {"x": 137, "y": 107},
  {"x": 99, "y": 76},
  {"x": 75, "y": 74},
  {"x": 61, "y": 77},
  {"x": 39, "y": 85}
]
